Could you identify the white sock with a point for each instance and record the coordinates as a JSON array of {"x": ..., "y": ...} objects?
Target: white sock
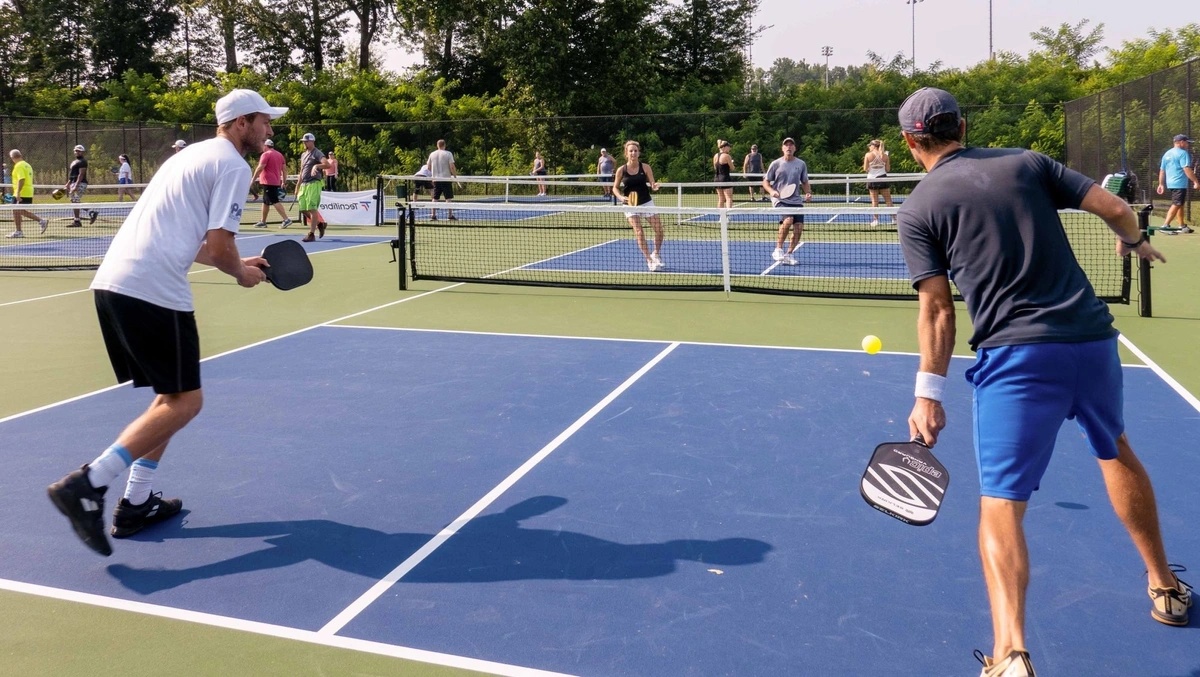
[
  {"x": 108, "y": 466},
  {"x": 141, "y": 474}
]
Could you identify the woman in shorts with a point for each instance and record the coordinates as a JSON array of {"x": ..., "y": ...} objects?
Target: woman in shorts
[
  {"x": 877, "y": 163},
  {"x": 124, "y": 178},
  {"x": 632, "y": 184},
  {"x": 539, "y": 171},
  {"x": 722, "y": 173}
]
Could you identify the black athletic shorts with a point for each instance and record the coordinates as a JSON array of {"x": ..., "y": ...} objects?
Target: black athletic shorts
[
  {"x": 1178, "y": 196},
  {"x": 272, "y": 195},
  {"x": 443, "y": 189},
  {"x": 24, "y": 200},
  {"x": 878, "y": 185},
  {"x": 148, "y": 344}
]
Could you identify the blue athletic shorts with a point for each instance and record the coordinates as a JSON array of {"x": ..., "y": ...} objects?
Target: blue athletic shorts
[{"x": 1023, "y": 394}]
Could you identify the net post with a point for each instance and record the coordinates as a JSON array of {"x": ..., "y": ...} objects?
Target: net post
[
  {"x": 725, "y": 272},
  {"x": 1144, "y": 297},
  {"x": 379, "y": 204},
  {"x": 402, "y": 242},
  {"x": 847, "y": 190}
]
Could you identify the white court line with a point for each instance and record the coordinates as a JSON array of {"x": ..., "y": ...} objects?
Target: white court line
[
  {"x": 190, "y": 272},
  {"x": 1167, "y": 378},
  {"x": 282, "y": 632},
  {"x": 239, "y": 349},
  {"x": 348, "y": 614}
]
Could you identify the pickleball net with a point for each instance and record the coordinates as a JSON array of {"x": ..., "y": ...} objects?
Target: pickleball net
[
  {"x": 846, "y": 252},
  {"x": 62, "y": 245}
]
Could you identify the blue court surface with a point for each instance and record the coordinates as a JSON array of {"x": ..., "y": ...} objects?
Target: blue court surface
[
  {"x": 600, "y": 507},
  {"x": 250, "y": 242},
  {"x": 703, "y": 257}
]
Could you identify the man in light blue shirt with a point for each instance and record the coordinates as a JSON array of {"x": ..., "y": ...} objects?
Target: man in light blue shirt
[{"x": 1174, "y": 173}]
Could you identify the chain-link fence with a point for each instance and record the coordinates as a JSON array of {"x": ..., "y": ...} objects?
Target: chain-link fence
[
  {"x": 47, "y": 143},
  {"x": 1130, "y": 126}
]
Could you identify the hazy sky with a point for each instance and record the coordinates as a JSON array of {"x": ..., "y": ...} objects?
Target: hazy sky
[{"x": 954, "y": 32}]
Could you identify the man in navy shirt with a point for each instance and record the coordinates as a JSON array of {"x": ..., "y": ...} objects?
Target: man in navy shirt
[{"x": 1046, "y": 347}]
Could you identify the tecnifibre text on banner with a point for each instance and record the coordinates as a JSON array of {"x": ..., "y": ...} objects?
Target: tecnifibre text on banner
[{"x": 349, "y": 209}]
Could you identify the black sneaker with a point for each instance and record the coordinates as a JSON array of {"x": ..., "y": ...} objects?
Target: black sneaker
[
  {"x": 83, "y": 504},
  {"x": 75, "y": 224},
  {"x": 128, "y": 519},
  {"x": 321, "y": 229},
  {"x": 92, "y": 216}
]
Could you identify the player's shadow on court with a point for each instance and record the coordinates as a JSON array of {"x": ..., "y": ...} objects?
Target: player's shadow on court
[{"x": 489, "y": 548}]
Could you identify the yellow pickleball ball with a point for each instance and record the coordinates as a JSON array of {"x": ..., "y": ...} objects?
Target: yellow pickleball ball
[{"x": 872, "y": 344}]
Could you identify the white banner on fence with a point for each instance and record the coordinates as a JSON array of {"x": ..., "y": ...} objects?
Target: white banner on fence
[{"x": 349, "y": 209}]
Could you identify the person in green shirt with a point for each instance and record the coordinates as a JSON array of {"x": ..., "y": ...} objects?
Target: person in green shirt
[{"x": 22, "y": 182}]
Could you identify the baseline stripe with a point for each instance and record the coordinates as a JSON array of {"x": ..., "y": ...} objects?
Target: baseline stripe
[{"x": 282, "y": 632}]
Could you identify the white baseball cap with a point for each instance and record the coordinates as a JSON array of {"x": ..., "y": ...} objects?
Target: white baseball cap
[
  {"x": 80, "y": 149},
  {"x": 269, "y": 143},
  {"x": 179, "y": 144},
  {"x": 308, "y": 137},
  {"x": 241, "y": 102}
]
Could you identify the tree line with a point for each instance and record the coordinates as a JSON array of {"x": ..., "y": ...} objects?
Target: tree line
[{"x": 500, "y": 79}]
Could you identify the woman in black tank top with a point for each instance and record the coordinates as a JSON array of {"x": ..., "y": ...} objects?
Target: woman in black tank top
[
  {"x": 722, "y": 168},
  {"x": 877, "y": 163},
  {"x": 632, "y": 184}
]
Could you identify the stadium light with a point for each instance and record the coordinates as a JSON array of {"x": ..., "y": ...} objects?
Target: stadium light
[
  {"x": 914, "y": 33},
  {"x": 827, "y": 52}
]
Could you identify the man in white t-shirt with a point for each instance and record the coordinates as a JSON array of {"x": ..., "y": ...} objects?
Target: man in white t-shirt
[
  {"x": 441, "y": 166},
  {"x": 189, "y": 213}
]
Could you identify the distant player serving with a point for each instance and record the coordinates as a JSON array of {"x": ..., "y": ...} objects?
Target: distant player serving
[{"x": 785, "y": 177}]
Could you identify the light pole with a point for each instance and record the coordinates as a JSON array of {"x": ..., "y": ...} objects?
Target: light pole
[
  {"x": 914, "y": 33},
  {"x": 991, "y": 52},
  {"x": 827, "y": 52}
]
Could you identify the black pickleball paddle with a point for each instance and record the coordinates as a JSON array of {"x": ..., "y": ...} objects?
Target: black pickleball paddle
[
  {"x": 904, "y": 480},
  {"x": 289, "y": 266}
]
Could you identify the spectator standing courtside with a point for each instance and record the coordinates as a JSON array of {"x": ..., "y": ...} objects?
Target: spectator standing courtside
[
  {"x": 269, "y": 173},
  {"x": 313, "y": 163},
  {"x": 22, "y": 184},
  {"x": 189, "y": 213},
  {"x": 604, "y": 168},
  {"x": 178, "y": 146},
  {"x": 1046, "y": 349},
  {"x": 124, "y": 179},
  {"x": 331, "y": 173},
  {"x": 441, "y": 167},
  {"x": 539, "y": 172},
  {"x": 1174, "y": 173},
  {"x": 77, "y": 183},
  {"x": 752, "y": 167}
]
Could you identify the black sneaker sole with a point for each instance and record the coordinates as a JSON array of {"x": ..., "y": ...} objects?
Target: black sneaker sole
[
  {"x": 100, "y": 546},
  {"x": 127, "y": 530}
]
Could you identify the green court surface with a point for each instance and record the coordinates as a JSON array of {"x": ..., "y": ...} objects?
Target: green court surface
[{"x": 51, "y": 351}]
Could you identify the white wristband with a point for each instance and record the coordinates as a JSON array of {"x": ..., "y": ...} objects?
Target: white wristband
[{"x": 930, "y": 386}]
